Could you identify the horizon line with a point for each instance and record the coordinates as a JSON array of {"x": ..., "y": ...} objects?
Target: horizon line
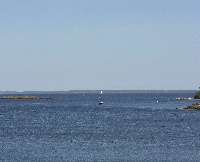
[{"x": 90, "y": 91}]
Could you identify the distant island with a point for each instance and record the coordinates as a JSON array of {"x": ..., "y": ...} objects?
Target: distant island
[
  {"x": 24, "y": 97},
  {"x": 197, "y": 105}
]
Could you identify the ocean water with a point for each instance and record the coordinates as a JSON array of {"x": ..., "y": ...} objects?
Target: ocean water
[{"x": 74, "y": 128}]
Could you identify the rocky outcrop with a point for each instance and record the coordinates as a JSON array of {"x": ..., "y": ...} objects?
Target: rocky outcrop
[
  {"x": 194, "y": 106},
  {"x": 24, "y": 97}
]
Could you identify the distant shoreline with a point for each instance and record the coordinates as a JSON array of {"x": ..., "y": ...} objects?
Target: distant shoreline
[{"x": 104, "y": 91}]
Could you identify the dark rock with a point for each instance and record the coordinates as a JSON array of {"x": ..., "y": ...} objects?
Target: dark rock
[{"x": 194, "y": 106}]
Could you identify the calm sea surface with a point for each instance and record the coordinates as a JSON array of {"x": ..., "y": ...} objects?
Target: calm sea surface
[{"x": 74, "y": 128}]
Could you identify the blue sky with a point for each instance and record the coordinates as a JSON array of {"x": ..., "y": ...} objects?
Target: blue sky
[{"x": 90, "y": 45}]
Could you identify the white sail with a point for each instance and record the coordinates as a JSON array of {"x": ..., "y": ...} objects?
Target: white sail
[{"x": 101, "y": 102}]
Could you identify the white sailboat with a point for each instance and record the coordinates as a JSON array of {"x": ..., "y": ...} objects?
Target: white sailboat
[{"x": 101, "y": 101}]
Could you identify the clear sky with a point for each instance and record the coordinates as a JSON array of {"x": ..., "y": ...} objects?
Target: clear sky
[{"x": 105, "y": 44}]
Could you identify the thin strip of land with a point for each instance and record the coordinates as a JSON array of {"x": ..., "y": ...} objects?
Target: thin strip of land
[{"x": 24, "y": 97}]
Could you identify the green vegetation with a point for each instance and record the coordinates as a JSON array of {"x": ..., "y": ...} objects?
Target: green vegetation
[{"x": 197, "y": 95}]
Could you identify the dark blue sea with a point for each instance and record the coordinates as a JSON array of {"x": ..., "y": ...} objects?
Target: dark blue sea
[{"x": 128, "y": 127}]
